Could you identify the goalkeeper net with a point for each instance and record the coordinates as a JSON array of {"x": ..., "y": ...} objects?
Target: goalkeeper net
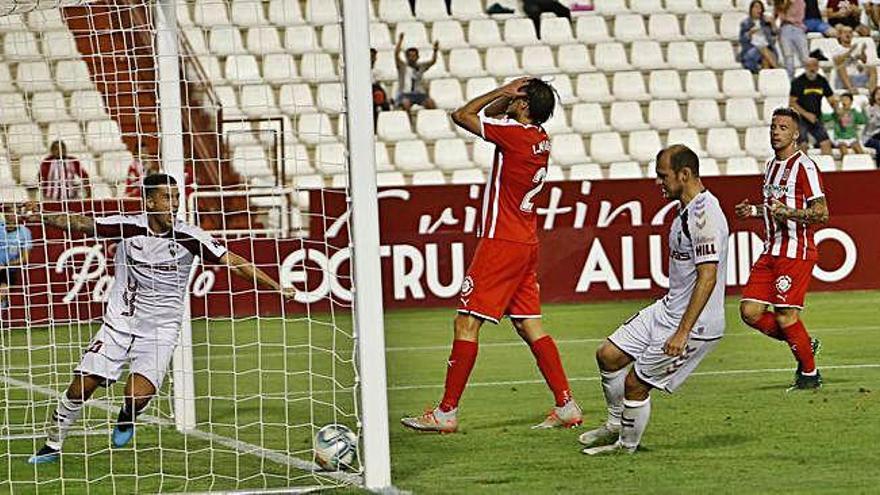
[{"x": 243, "y": 101}]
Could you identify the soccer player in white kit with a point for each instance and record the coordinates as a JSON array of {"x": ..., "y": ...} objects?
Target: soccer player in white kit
[
  {"x": 142, "y": 319},
  {"x": 666, "y": 341}
]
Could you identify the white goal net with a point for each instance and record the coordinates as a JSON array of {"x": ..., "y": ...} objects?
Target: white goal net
[{"x": 244, "y": 103}]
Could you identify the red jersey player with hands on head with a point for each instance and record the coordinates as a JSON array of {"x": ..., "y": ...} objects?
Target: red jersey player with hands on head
[
  {"x": 794, "y": 203},
  {"x": 502, "y": 279}
]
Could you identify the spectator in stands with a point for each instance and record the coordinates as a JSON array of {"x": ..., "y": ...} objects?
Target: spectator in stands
[
  {"x": 807, "y": 91},
  {"x": 410, "y": 77},
  {"x": 412, "y": 7},
  {"x": 757, "y": 40},
  {"x": 142, "y": 165},
  {"x": 814, "y": 21},
  {"x": 534, "y": 8},
  {"x": 846, "y": 121},
  {"x": 792, "y": 32},
  {"x": 380, "y": 97},
  {"x": 850, "y": 60},
  {"x": 871, "y": 131},
  {"x": 15, "y": 246},
  {"x": 846, "y": 13},
  {"x": 62, "y": 177}
]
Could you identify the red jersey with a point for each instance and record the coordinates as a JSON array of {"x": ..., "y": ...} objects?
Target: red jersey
[
  {"x": 794, "y": 181},
  {"x": 516, "y": 177},
  {"x": 62, "y": 178}
]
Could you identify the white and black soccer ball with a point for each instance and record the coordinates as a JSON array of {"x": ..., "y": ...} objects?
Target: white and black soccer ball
[{"x": 335, "y": 447}]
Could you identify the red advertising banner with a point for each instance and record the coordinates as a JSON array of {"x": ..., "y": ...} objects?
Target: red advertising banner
[{"x": 600, "y": 240}]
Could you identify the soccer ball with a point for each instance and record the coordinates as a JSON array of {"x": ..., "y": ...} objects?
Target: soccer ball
[{"x": 335, "y": 447}]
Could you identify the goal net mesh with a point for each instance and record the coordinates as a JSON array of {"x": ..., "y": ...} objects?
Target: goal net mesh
[{"x": 264, "y": 167}]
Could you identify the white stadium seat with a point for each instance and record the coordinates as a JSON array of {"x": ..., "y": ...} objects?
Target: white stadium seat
[
  {"x": 587, "y": 171},
  {"x": 592, "y": 29},
  {"x": 625, "y": 170},
  {"x": 568, "y": 149},
  {"x": 330, "y": 98},
  {"x": 664, "y": 27},
  {"x": 451, "y": 154},
  {"x": 629, "y": 86},
  {"x": 611, "y": 57},
  {"x": 208, "y": 13},
  {"x": 393, "y": 11},
  {"x": 681, "y": 7},
  {"x": 647, "y": 56},
  {"x": 702, "y": 84},
  {"x": 314, "y": 128},
  {"x": 468, "y": 9},
  {"x": 700, "y": 27},
  {"x": 741, "y": 113},
  {"x": 414, "y": 35},
  {"x": 29, "y": 172},
  {"x": 723, "y": 143},
  {"x": 556, "y": 31},
  {"x": 758, "y": 142},
  {"x": 718, "y": 55},
  {"x": 574, "y": 59},
  {"x": 317, "y": 67},
  {"x": 483, "y": 154},
  {"x": 479, "y": 85},
  {"x": 467, "y": 176},
  {"x": 501, "y": 61},
  {"x": 320, "y": 12},
  {"x": 449, "y": 33},
  {"x": 114, "y": 166},
  {"x": 58, "y": 45},
  {"x": 380, "y": 36},
  {"x": 643, "y": 145},
  {"x": 431, "y": 10},
  {"x": 196, "y": 38},
  {"x": 225, "y": 40},
  {"x": 251, "y": 161},
  {"x": 555, "y": 173},
  {"x": 6, "y": 85},
  {"x": 666, "y": 84},
  {"x": 773, "y": 82},
  {"x": 520, "y": 32},
  {"x": 607, "y": 147},
  {"x": 258, "y": 100},
  {"x": 45, "y": 20},
  {"x": 825, "y": 162},
  {"x": 717, "y": 6},
  {"x": 538, "y": 60},
  {"x": 330, "y": 158},
  {"x": 410, "y": 156},
  {"x": 858, "y": 162},
  {"x": 438, "y": 70},
  {"x": 728, "y": 26},
  {"x": 296, "y": 99},
  {"x": 687, "y": 137},
  {"x": 593, "y": 87},
  {"x": 21, "y": 46},
  {"x": 629, "y": 28},
  {"x": 211, "y": 66},
  {"x": 611, "y": 7},
  {"x": 738, "y": 83},
  {"x": 483, "y": 33},
  {"x": 279, "y": 68},
  {"x": 285, "y": 13},
  {"x": 34, "y": 76},
  {"x": 682, "y": 55},
  {"x": 703, "y": 114},
  {"x": 383, "y": 161},
  {"x": 242, "y": 69},
  {"x": 228, "y": 100},
  {"x": 49, "y": 107},
  {"x": 466, "y": 63},
  {"x": 446, "y": 93},
  {"x": 69, "y": 132},
  {"x": 742, "y": 166},
  {"x": 709, "y": 167},
  {"x": 263, "y": 40},
  {"x": 428, "y": 178},
  {"x": 248, "y": 13},
  {"x": 13, "y": 109},
  {"x": 771, "y": 104},
  {"x": 390, "y": 179},
  {"x": 300, "y": 39},
  {"x": 557, "y": 123},
  {"x": 664, "y": 114},
  {"x": 587, "y": 118},
  {"x": 647, "y": 7},
  {"x": 394, "y": 126},
  {"x": 104, "y": 135},
  {"x": 25, "y": 139},
  {"x": 433, "y": 124},
  {"x": 562, "y": 84}
]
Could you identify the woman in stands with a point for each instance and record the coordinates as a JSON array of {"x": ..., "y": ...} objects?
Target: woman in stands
[{"x": 757, "y": 39}]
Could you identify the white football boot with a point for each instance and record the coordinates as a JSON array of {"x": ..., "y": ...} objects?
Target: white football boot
[
  {"x": 603, "y": 435},
  {"x": 614, "y": 448},
  {"x": 433, "y": 420}
]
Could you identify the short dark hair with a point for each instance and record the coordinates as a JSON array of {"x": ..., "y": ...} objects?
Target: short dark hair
[
  {"x": 542, "y": 100},
  {"x": 787, "y": 112},
  {"x": 847, "y": 95},
  {"x": 680, "y": 156},
  {"x": 153, "y": 182}
]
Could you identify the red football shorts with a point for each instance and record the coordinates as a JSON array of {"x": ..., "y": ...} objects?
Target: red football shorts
[
  {"x": 779, "y": 281},
  {"x": 502, "y": 280}
]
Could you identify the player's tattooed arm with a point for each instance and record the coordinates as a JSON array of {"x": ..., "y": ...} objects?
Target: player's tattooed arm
[
  {"x": 248, "y": 271},
  {"x": 72, "y": 222},
  {"x": 745, "y": 209},
  {"x": 816, "y": 212}
]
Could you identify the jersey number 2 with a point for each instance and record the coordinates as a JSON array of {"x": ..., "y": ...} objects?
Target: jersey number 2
[{"x": 527, "y": 205}]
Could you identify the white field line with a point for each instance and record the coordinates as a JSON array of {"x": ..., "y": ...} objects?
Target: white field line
[{"x": 240, "y": 446}]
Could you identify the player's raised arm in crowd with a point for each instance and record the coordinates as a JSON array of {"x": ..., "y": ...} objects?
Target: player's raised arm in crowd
[
  {"x": 246, "y": 270},
  {"x": 468, "y": 116},
  {"x": 72, "y": 222}
]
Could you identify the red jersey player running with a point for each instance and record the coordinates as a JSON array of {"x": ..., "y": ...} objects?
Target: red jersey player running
[
  {"x": 503, "y": 276},
  {"x": 793, "y": 204}
]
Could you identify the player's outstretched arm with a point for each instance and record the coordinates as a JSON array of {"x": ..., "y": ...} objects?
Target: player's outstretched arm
[
  {"x": 816, "y": 212},
  {"x": 706, "y": 277},
  {"x": 248, "y": 271},
  {"x": 468, "y": 116},
  {"x": 72, "y": 222}
]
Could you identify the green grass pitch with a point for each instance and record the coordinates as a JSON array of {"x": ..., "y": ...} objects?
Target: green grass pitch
[{"x": 730, "y": 429}]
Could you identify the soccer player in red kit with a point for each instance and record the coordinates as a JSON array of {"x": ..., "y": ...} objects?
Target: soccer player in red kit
[
  {"x": 793, "y": 204},
  {"x": 502, "y": 279}
]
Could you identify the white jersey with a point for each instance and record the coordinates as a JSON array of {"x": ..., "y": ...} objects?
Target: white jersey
[
  {"x": 698, "y": 235},
  {"x": 151, "y": 273}
]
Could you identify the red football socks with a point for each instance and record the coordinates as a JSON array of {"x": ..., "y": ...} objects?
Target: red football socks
[
  {"x": 799, "y": 341},
  {"x": 547, "y": 356},
  {"x": 767, "y": 325},
  {"x": 461, "y": 362}
]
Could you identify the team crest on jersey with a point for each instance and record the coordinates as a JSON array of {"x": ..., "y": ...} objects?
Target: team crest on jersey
[
  {"x": 783, "y": 284},
  {"x": 172, "y": 248},
  {"x": 467, "y": 286}
]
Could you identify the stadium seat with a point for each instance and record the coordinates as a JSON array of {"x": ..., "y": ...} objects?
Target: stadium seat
[
  {"x": 709, "y": 167},
  {"x": 479, "y": 85},
  {"x": 24, "y": 139},
  {"x": 279, "y": 68},
  {"x": 297, "y": 161},
  {"x": 438, "y": 70},
  {"x": 629, "y": 28},
  {"x": 703, "y": 114},
  {"x": 592, "y": 30},
  {"x": 6, "y": 85},
  {"x": 285, "y": 13},
  {"x": 681, "y": 7},
  {"x": 625, "y": 170},
  {"x": 410, "y": 156},
  {"x": 211, "y": 66},
  {"x": 21, "y": 46},
  {"x": 682, "y": 55},
  {"x": 629, "y": 86},
  {"x": 741, "y": 113},
  {"x": 49, "y": 107},
  {"x": 383, "y": 161},
  {"x": 738, "y": 83},
  {"x": 718, "y": 6},
  {"x": 593, "y": 87},
  {"x": 687, "y": 137},
  {"x": 556, "y": 31},
  {"x": 390, "y": 179},
  {"x": 758, "y": 142},
  {"x": 702, "y": 84},
  {"x": 13, "y": 109},
  {"x": 574, "y": 59},
  {"x": 449, "y": 33},
  {"x": 538, "y": 60},
  {"x": 824, "y": 162},
  {"x": 320, "y": 12},
  {"x": 468, "y": 9},
  {"x": 501, "y": 62},
  {"x": 69, "y": 132},
  {"x": 59, "y": 45},
  {"x": 380, "y": 36},
  {"x": 208, "y": 13},
  {"x": 433, "y": 124},
  {"x": 647, "y": 7},
  {"x": 610, "y": 57},
  {"x": 114, "y": 166},
  {"x": 557, "y": 123},
  {"x": 611, "y": 7},
  {"x": 718, "y": 55},
  {"x": 242, "y": 69},
  {"x": 562, "y": 84},
  {"x": 567, "y": 149},
  {"x": 29, "y": 170},
  {"x": 394, "y": 126},
  {"x": 263, "y": 40},
  {"x": 239, "y": 133},
  {"x": 666, "y": 85},
  {"x": 196, "y": 39},
  {"x": 248, "y": 13},
  {"x": 394, "y": 11},
  {"x": 330, "y": 158},
  {"x": 664, "y": 114},
  {"x": 104, "y": 135},
  {"x": 314, "y": 128},
  {"x": 467, "y": 176},
  {"x": 723, "y": 143},
  {"x": 555, "y": 173},
  {"x": 251, "y": 161},
  {"x": 744, "y": 165},
  {"x": 229, "y": 101},
  {"x": 414, "y": 35},
  {"x": 663, "y": 28},
  {"x": 773, "y": 82},
  {"x": 587, "y": 171},
  {"x": 643, "y": 145},
  {"x": 257, "y": 100},
  {"x": 519, "y": 32},
  {"x": 43, "y": 21},
  {"x": 587, "y": 118},
  {"x": 33, "y": 77},
  {"x": 430, "y": 10},
  {"x": 300, "y": 39},
  {"x": 225, "y": 40},
  {"x": 699, "y": 26},
  {"x": 330, "y": 99},
  {"x": 466, "y": 63},
  {"x": 858, "y": 162},
  {"x": 428, "y": 178},
  {"x": 446, "y": 93},
  {"x": 607, "y": 147},
  {"x": 317, "y": 67},
  {"x": 483, "y": 154},
  {"x": 728, "y": 26},
  {"x": 771, "y": 104},
  {"x": 451, "y": 154},
  {"x": 385, "y": 68},
  {"x": 647, "y": 56},
  {"x": 483, "y": 33}
]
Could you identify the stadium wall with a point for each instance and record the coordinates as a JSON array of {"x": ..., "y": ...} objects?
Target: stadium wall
[{"x": 599, "y": 240}]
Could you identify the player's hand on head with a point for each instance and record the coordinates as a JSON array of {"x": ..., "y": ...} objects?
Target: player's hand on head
[{"x": 514, "y": 88}]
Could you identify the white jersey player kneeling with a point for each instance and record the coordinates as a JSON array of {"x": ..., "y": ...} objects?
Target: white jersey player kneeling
[
  {"x": 668, "y": 339},
  {"x": 146, "y": 306}
]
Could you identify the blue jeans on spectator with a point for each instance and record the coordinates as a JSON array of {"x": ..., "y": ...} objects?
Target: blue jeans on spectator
[
  {"x": 874, "y": 142},
  {"x": 793, "y": 42},
  {"x": 752, "y": 59},
  {"x": 816, "y": 26}
]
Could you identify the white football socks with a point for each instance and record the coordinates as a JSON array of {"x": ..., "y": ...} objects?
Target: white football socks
[
  {"x": 612, "y": 387},
  {"x": 66, "y": 414},
  {"x": 634, "y": 420}
]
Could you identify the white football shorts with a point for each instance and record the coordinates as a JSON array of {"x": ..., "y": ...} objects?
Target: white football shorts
[
  {"x": 642, "y": 338},
  {"x": 110, "y": 350}
]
